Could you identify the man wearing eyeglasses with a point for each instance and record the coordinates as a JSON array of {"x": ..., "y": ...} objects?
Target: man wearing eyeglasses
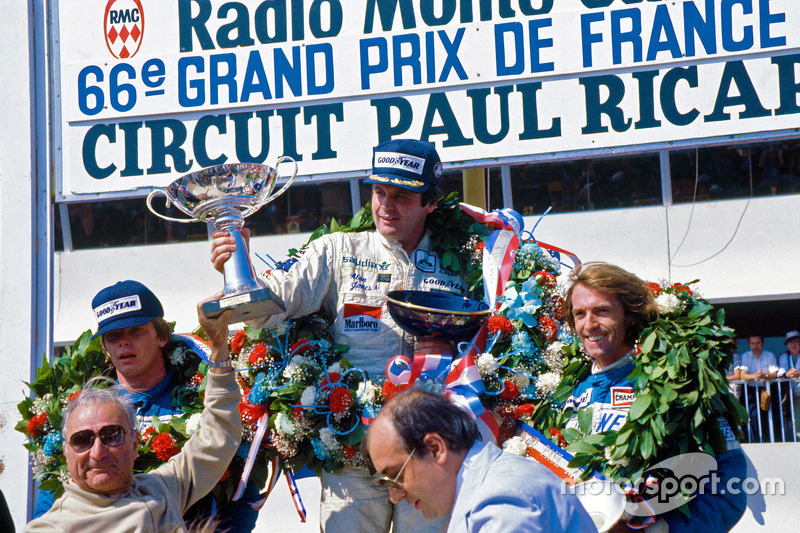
[
  {"x": 427, "y": 451},
  {"x": 101, "y": 444}
]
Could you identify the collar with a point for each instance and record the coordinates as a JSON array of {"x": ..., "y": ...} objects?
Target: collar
[
  {"x": 163, "y": 386},
  {"x": 624, "y": 360}
]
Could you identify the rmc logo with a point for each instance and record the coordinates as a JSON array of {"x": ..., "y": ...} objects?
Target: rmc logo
[{"x": 124, "y": 27}]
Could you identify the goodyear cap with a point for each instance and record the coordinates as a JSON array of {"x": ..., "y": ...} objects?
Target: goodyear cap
[
  {"x": 123, "y": 305},
  {"x": 406, "y": 163}
]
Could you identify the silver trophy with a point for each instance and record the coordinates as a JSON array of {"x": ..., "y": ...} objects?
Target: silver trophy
[{"x": 225, "y": 195}]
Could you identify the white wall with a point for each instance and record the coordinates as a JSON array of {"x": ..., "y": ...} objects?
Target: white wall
[{"x": 17, "y": 239}]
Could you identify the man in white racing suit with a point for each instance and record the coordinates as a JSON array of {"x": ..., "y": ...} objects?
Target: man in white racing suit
[{"x": 349, "y": 274}]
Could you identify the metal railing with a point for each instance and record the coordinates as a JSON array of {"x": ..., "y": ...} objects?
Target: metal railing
[{"x": 780, "y": 422}]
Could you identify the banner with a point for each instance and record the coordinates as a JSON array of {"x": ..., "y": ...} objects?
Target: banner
[{"x": 147, "y": 90}]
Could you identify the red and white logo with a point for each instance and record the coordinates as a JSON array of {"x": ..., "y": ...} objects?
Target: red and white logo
[
  {"x": 361, "y": 318},
  {"x": 124, "y": 27},
  {"x": 622, "y": 396}
]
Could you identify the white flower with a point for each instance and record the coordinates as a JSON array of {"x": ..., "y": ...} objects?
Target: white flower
[
  {"x": 40, "y": 404},
  {"x": 178, "y": 355},
  {"x": 284, "y": 424},
  {"x": 368, "y": 392},
  {"x": 294, "y": 366},
  {"x": 328, "y": 439},
  {"x": 307, "y": 398},
  {"x": 193, "y": 423},
  {"x": 667, "y": 303},
  {"x": 279, "y": 329},
  {"x": 521, "y": 381},
  {"x": 620, "y": 462},
  {"x": 516, "y": 446},
  {"x": 335, "y": 368},
  {"x": 487, "y": 364},
  {"x": 553, "y": 356},
  {"x": 548, "y": 382}
]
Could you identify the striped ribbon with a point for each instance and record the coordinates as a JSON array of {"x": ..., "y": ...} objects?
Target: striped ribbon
[
  {"x": 261, "y": 431},
  {"x": 298, "y": 502}
]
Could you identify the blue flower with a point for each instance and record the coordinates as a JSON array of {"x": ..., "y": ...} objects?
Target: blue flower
[
  {"x": 244, "y": 449},
  {"x": 320, "y": 450},
  {"x": 53, "y": 444},
  {"x": 523, "y": 305},
  {"x": 259, "y": 394}
]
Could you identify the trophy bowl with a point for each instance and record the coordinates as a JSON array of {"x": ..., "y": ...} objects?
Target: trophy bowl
[
  {"x": 436, "y": 314},
  {"x": 603, "y": 500},
  {"x": 224, "y": 195}
]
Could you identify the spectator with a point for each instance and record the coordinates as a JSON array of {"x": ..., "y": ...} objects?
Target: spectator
[
  {"x": 789, "y": 365},
  {"x": 349, "y": 274},
  {"x": 101, "y": 444},
  {"x": 758, "y": 366},
  {"x": 427, "y": 451},
  {"x": 608, "y": 308}
]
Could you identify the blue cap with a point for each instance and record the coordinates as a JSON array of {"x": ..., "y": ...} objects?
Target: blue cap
[
  {"x": 123, "y": 305},
  {"x": 406, "y": 163}
]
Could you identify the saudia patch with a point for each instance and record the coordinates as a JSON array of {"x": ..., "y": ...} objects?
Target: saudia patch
[
  {"x": 361, "y": 318},
  {"x": 622, "y": 396}
]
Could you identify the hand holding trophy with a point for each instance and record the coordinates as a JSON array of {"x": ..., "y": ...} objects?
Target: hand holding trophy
[{"x": 225, "y": 195}]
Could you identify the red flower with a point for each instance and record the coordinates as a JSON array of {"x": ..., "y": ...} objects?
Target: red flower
[
  {"x": 548, "y": 327},
  {"x": 196, "y": 380},
  {"x": 507, "y": 430},
  {"x": 349, "y": 451},
  {"x": 561, "y": 440},
  {"x": 510, "y": 392},
  {"x": 148, "y": 432},
  {"x": 73, "y": 396},
  {"x": 499, "y": 323},
  {"x": 340, "y": 400},
  {"x": 238, "y": 341},
  {"x": 299, "y": 414},
  {"x": 301, "y": 346},
  {"x": 226, "y": 475},
  {"x": 654, "y": 287},
  {"x": 258, "y": 354},
  {"x": 545, "y": 279},
  {"x": 679, "y": 287},
  {"x": 506, "y": 410},
  {"x": 558, "y": 307},
  {"x": 164, "y": 446},
  {"x": 526, "y": 409},
  {"x": 331, "y": 377},
  {"x": 35, "y": 425},
  {"x": 251, "y": 413}
]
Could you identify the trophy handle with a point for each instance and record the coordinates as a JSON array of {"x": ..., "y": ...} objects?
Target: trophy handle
[
  {"x": 152, "y": 195},
  {"x": 280, "y": 160}
]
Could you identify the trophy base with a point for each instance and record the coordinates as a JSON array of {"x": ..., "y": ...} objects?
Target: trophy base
[{"x": 248, "y": 305}]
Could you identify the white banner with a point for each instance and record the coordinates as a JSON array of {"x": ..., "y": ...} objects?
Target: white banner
[{"x": 150, "y": 90}]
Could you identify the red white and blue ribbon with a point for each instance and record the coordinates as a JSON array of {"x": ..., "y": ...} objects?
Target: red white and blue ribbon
[
  {"x": 461, "y": 379},
  {"x": 298, "y": 501},
  {"x": 498, "y": 249},
  {"x": 261, "y": 431}
]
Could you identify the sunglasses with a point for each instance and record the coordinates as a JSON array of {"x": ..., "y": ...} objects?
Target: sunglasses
[
  {"x": 392, "y": 483},
  {"x": 83, "y": 440}
]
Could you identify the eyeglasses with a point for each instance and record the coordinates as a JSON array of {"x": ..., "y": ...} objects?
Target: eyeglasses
[
  {"x": 112, "y": 435},
  {"x": 390, "y": 483}
]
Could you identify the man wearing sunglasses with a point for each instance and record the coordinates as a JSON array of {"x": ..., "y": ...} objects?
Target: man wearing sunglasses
[
  {"x": 134, "y": 334},
  {"x": 101, "y": 444},
  {"x": 427, "y": 451}
]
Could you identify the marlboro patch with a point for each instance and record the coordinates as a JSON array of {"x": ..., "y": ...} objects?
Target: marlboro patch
[
  {"x": 622, "y": 396},
  {"x": 361, "y": 318}
]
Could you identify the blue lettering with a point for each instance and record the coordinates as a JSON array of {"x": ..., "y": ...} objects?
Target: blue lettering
[
  {"x": 199, "y": 98},
  {"x": 411, "y": 60},
  {"x": 537, "y": 44},
  {"x": 728, "y": 42},
  {"x": 514, "y": 30},
  {"x": 693, "y": 23},
  {"x": 663, "y": 24},
  {"x": 451, "y": 49},
  {"x": 367, "y": 69},
  {"x": 633, "y": 36},
  {"x": 587, "y": 37},
  {"x": 217, "y": 78},
  {"x": 326, "y": 50},
  {"x": 766, "y": 19}
]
